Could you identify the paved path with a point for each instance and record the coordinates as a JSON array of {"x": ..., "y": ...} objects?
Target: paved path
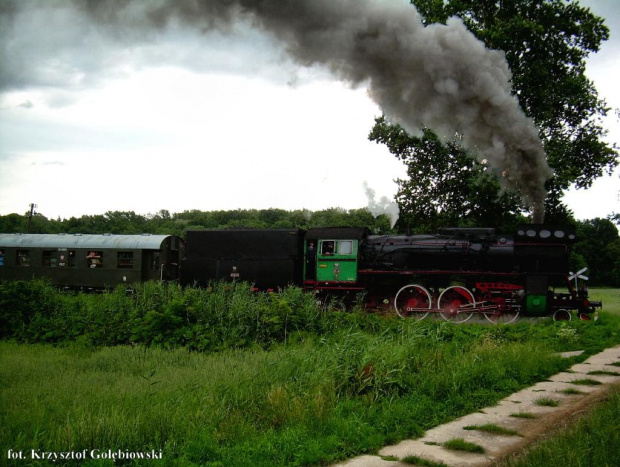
[{"x": 429, "y": 447}]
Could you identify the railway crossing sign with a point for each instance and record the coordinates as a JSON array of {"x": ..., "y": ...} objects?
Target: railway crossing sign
[{"x": 578, "y": 275}]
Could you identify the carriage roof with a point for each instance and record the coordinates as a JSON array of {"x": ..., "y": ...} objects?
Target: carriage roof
[{"x": 106, "y": 241}]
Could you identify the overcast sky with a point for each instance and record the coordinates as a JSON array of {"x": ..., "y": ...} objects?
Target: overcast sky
[{"x": 95, "y": 120}]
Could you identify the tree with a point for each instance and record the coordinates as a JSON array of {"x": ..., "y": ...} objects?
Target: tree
[
  {"x": 598, "y": 244},
  {"x": 445, "y": 185},
  {"x": 546, "y": 43}
]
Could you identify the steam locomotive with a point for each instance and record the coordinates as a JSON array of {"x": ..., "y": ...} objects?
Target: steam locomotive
[{"x": 456, "y": 274}]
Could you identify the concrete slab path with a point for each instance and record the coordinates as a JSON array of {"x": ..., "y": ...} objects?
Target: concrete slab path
[{"x": 528, "y": 413}]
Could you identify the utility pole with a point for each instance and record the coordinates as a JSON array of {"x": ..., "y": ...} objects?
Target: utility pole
[{"x": 32, "y": 206}]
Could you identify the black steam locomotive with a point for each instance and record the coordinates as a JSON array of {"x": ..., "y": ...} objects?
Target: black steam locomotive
[{"x": 457, "y": 274}]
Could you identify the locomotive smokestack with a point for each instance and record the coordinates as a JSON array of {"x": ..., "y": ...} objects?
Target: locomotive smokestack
[{"x": 538, "y": 214}]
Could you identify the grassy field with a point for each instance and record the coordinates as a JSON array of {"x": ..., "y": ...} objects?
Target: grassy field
[
  {"x": 315, "y": 398},
  {"x": 610, "y": 299}
]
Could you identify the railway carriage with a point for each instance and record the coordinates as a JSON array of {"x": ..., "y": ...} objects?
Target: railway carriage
[{"x": 90, "y": 261}]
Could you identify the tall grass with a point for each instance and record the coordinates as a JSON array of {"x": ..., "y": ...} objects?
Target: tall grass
[
  {"x": 316, "y": 401},
  {"x": 227, "y": 377}
]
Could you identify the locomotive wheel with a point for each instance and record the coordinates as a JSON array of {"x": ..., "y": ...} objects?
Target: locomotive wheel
[
  {"x": 562, "y": 315},
  {"x": 411, "y": 302},
  {"x": 454, "y": 303},
  {"x": 502, "y": 318}
]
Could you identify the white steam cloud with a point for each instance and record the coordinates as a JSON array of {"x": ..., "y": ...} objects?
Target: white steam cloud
[{"x": 383, "y": 206}]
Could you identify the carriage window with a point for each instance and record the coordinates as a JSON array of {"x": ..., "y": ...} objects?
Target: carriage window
[
  {"x": 124, "y": 260},
  {"x": 66, "y": 258},
  {"x": 345, "y": 247},
  {"x": 49, "y": 258},
  {"x": 23, "y": 258},
  {"x": 94, "y": 259}
]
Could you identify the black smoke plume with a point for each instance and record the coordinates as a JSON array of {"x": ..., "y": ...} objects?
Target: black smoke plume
[{"x": 438, "y": 76}]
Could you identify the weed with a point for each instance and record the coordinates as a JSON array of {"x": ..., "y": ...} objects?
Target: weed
[
  {"x": 547, "y": 402},
  {"x": 459, "y": 444},
  {"x": 526, "y": 415},
  {"x": 419, "y": 461},
  {"x": 492, "y": 429},
  {"x": 567, "y": 334},
  {"x": 603, "y": 373},
  {"x": 571, "y": 391},
  {"x": 586, "y": 382}
]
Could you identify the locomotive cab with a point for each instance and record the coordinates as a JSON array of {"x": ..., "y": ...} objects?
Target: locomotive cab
[{"x": 332, "y": 256}]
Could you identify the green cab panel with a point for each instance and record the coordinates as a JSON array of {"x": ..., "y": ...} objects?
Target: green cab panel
[{"x": 337, "y": 261}]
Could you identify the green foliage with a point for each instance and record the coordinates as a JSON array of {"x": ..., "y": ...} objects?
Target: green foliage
[
  {"x": 445, "y": 186},
  {"x": 459, "y": 444},
  {"x": 27, "y": 308},
  {"x": 598, "y": 247},
  {"x": 225, "y": 315},
  {"x": 547, "y": 402},
  {"x": 119, "y": 222},
  {"x": 294, "y": 384},
  {"x": 492, "y": 428}
]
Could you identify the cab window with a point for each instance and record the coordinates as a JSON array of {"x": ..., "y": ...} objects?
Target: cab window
[
  {"x": 327, "y": 247},
  {"x": 345, "y": 247}
]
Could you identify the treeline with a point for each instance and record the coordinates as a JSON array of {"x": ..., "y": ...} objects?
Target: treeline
[
  {"x": 598, "y": 245},
  {"x": 164, "y": 222}
]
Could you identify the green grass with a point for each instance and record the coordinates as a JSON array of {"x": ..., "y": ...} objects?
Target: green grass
[
  {"x": 459, "y": 444},
  {"x": 492, "y": 429},
  {"x": 526, "y": 415},
  {"x": 420, "y": 462},
  {"x": 215, "y": 378},
  {"x": 547, "y": 402},
  {"x": 317, "y": 401},
  {"x": 609, "y": 297},
  {"x": 571, "y": 391},
  {"x": 586, "y": 382},
  {"x": 603, "y": 373}
]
